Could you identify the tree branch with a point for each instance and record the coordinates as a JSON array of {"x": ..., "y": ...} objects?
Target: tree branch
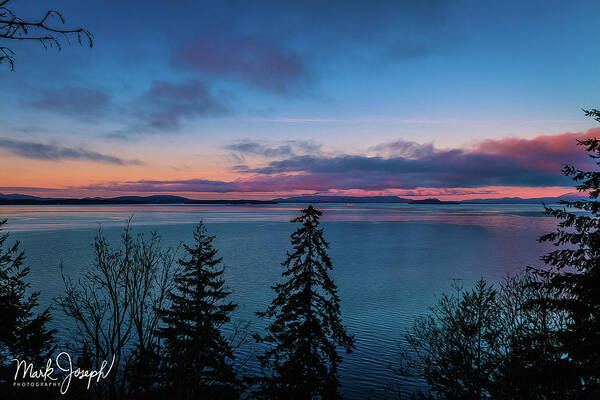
[{"x": 13, "y": 27}]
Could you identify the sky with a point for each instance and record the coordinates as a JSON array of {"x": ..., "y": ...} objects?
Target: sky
[{"x": 256, "y": 100}]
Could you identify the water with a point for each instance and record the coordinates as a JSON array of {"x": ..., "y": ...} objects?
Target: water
[{"x": 391, "y": 261}]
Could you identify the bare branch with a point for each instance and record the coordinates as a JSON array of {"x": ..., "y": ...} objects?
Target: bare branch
[{"x": 13, "y": 27}]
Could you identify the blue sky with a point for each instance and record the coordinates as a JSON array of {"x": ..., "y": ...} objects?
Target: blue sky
[{"x": 169, "y": 87}]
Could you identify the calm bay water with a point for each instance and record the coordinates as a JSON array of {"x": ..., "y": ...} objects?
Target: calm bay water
[{"x": 391, "y": 261}]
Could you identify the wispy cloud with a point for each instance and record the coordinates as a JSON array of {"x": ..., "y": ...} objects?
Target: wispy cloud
[
  {"x": 272, "y": 150},
  {"x": 41, "y": 151},
  {"x": 404, "y": 149},
  {"x": 254, "y": 59},
  {"x": 265, "y": 184},
  {"x": 411, "y": 121},
  {"x": 70, "y": 101},
  {"x": 165, "y": 105}
]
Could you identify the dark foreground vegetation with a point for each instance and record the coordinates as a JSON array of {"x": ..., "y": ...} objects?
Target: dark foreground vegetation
[
  {"x": 161, "y": 318},
  {"x": 536, "y": 335},
  {"x": 160, "y": 314}
]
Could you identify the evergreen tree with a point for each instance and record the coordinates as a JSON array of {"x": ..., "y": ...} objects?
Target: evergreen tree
[
  {"x": 24, "y": 335},
  {"x": 575, "y": 271},
  {"x": 197, "y": 355},
  {"x": 306, "y": 329}
]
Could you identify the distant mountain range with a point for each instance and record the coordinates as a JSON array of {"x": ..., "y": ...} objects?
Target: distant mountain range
[
  {"x": 395, "y": 199},
  {"x": 518, "y": 200},
  {"x": 22, "y": 199},
  {"x": 342, "y": 199},
  {"x": 16, "y": 196}
]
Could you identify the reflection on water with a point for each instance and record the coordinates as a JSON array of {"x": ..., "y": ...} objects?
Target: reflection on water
[
  {"x": 391, "y": 261},
  {"x": 28, "y": 218}
]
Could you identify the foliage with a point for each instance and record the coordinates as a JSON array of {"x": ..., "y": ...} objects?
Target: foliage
[
  {"x": 456, "y": 343},
  {"x": 114, "y": 307},
  {"x": 306, "y": 327},
  {"x": 530, "y": 363},
  {"x": 24, "y": 335},
  {"x": 197, "y": 362},
  {"x": 488, "y": 343},
  {"x": 574, "y": 268}
]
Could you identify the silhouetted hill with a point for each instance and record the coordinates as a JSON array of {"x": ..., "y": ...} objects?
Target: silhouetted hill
[
  {"x": 23, "y": 199},
  {"x": 433, "y": 201},
  {"x": 15, "y": 199},
  {"x": 342, "y": 199},
  {"x": 158, "y": 199},
  {"x": 17, "y": 196},
  {"x": 519, "y": 200}
]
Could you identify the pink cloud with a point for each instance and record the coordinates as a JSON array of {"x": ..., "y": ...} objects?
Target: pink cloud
[
  {"x": 547, "y": 153},
  {"x": 515, "y": 165}
]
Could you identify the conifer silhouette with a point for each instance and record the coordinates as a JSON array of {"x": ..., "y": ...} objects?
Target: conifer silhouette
[
  {"x": 575, "y": 271},
  {"x": 197, "y": 355},
  {"x": 24, "y": 335},
  {"x": 306, "y": 327}
]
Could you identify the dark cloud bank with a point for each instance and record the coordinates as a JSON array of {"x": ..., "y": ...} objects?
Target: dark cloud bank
[{"x": 533, "y": 162}]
